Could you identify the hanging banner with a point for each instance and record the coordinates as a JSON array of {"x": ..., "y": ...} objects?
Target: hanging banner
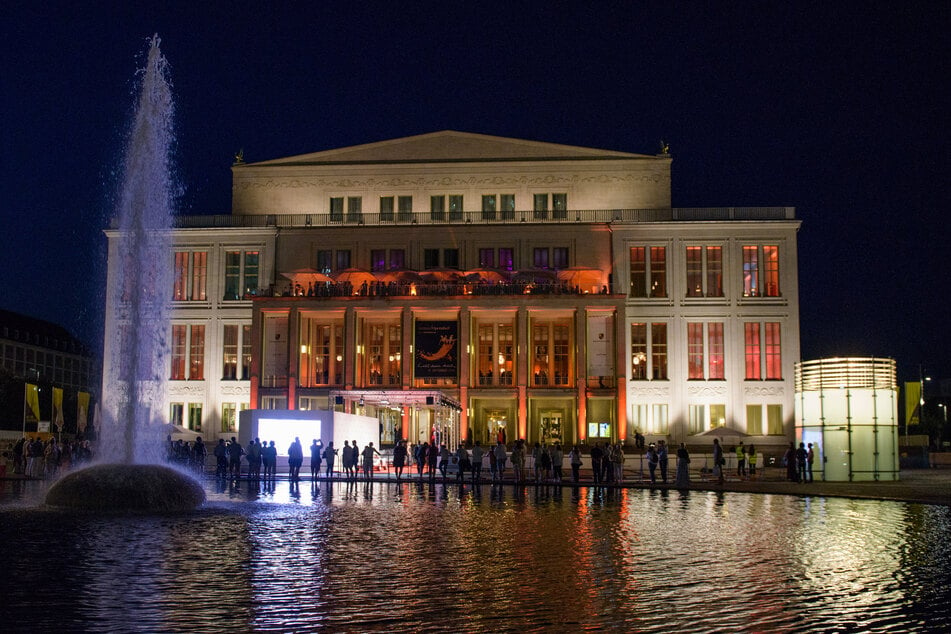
[
  {"x": 912, "y": 403},
  {"x": 58, "y": 408},
  {"x": 31, "y": 411},
  {"x": 437, "y": 350},
  {"x": 600, "y": 344},
  {"x": 82, "y": 410}
]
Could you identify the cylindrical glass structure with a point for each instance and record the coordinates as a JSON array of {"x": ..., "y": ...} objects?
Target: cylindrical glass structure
[{"x": 848, "y": 409}]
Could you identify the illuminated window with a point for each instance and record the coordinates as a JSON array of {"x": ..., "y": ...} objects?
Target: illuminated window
[
  {"x": 659, "y": 424},
  {"x": 559, "y": 206},
  {"x": 495, "y": 360},
  {"x": 507, "y": 259},
  {"x": 178, "y": 352},
  {"x": 717, "y": 415},
  {"x": 489, "y": 206},
  {"x": 648, "y": 275},
  {"x": 377, "y": 260},
  {"x": 704, "y": 271},
  {"x": 245, "y": 352},
  {"x": 241, "y": 274},
  {"x": 761, "y": 265},
  {"x": 752, "y": 350},
  {"x": 229, "y": 352},
  {"x": 229, "y": 417},
  {"x": 540, "y": 258},
  {"x": 507, "y": 205},
  {"x": 194, "y": 416},
  {"x": 754, "y": 420},
  {"x": 321, "y": 351},
  {"x": 455, "y": 207},
  {"x": 648, "y": 351},
  {"x": 190, "y": 270},
  {"x": 551, "y": 346},
  {"x": 709, "y": 349},
  {"x": 774, "y": 420},
  {"x": 639, "y": 419},
  {"x": 760, "y": 353},
  {"x": 774, "y": 361},
  {"x": 715, "y": 370},
  {"x": 695, "y": 351},
  {"x": 176, "y": 414},
  {"x": 696, "y": 419},
  {"x": 196, "y": 353},
  {"x": 383, "y": 353}
]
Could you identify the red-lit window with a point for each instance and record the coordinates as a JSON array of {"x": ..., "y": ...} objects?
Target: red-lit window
[
  {"x": 774, "y": 360},
  {"x": 639, "y": 352},
  {"x": 751, "y": 272},
  {"x": 694, "y": 271},
  {"x": 199, "y": 275},
  {"x": 695, "y": 351},
  {"x": 659, "y": 351},
  {"x": 180, "y": 288},
  {"x": 229, "y": 352},
  {"x": 196, "y": 354},
  {"x": 638, "y": 272},
  {"x": 715, "y": 346},
  {"x": 658, "y": 272},
  {"x": 771, "y": 262},
  {"x": 178, "y": 353},
  {"x": 752, "y": 347}
]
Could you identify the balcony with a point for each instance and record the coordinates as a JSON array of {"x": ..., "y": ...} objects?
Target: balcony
[{"x": 627, "y": 216}]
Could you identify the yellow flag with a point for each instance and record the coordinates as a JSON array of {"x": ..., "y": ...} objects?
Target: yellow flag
[
  {"x": 32, "y": 402},
  {"x": 912, "y": 403},
  {"x": 58, "y": 408},
  {"x": 82, "y": 410}
]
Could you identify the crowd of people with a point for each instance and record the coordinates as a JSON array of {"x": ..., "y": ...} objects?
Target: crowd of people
[{"x": 38, "y": 458}]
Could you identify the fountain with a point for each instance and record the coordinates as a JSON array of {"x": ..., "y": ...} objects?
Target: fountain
[{"x": 134, "y": 388}]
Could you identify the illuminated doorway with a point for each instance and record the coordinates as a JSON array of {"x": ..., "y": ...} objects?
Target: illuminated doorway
[
  {"x": 496, "y": 427},
  {"x": 551, "y": 426}
]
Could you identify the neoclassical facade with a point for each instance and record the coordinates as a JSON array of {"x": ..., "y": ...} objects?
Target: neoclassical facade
[{"x": 470, "y": 287}]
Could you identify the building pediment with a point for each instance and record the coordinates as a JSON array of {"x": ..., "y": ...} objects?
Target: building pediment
[{"x": 448, "y": 146}]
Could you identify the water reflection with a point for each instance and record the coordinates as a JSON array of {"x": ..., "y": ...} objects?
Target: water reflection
[{"x": 352, "y": 556}]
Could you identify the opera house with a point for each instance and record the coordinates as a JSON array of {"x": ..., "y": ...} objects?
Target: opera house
[{"x": 463, "y": 287}]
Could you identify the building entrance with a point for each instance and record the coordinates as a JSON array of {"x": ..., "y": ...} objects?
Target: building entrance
[{"x": 550, "y": 426}]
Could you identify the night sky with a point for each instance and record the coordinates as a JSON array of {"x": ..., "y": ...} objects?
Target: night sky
[{"x": 840, "y": 111}]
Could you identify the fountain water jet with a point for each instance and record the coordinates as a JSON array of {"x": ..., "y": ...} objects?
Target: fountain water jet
[{"x": 134, "y": 387}]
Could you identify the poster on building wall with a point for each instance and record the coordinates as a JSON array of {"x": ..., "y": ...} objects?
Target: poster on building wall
[
  {"x": 275, "y": 348},
  {"x": 601, "y": 344},
  {"x": 437, "y": 350}
]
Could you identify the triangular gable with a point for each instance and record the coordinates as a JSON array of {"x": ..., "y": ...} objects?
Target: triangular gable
[{"x": 449, "y": 145}]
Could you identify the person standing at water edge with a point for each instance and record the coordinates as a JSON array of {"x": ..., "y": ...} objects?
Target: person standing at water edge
[
  {"x": 718, "y": 460},
  {"x": 597, "y": 455},
  {"x": 662, "y": 459},
  {"x": 355, "y": 459},
  {"x": 269, "y": 459},
  {"x": 574, "y": 458},
  {"x": 329, "y": 455},
  {"x": 789, "y": 459},
  {"x": 810, "y": 459},
  {"x": 399, "y": 458},
  {"x": 444, "y": 456},
  {"x": 741, "y": 460},
  {"x": 235, "y": 451},
  {"x": 751, "y": 460},
  {"x": 368, "y": 452},
  {"x": 652, "y": 461},
  {"x": 316, "y": 452},
  {"x": 221, "y": 459},
  {"x": 801, "y": 456},
  {"x": 295, "y": 458},
  {"x": 683, "y": 467},
  {"x": 477, "y": 454},
  {"x": 500, "y": 458}
]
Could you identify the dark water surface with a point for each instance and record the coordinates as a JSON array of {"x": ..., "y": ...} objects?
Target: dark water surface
[{"x": 418, "y": 557}]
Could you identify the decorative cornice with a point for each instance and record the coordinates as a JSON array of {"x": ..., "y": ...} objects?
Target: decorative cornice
[{"x": 775, "y": 390}]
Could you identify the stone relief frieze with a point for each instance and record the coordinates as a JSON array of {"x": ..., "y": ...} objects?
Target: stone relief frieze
[
  {"x": 765, "y": 391},
  {"x": 650, "y": 391},
  {"x": 235, "y": 390},
  {"x": 186, "y": 390},
  {"x": 704, "y": 390}
]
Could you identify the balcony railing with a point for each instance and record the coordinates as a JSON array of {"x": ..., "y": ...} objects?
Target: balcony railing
[{"x": 675, "y": 214}]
